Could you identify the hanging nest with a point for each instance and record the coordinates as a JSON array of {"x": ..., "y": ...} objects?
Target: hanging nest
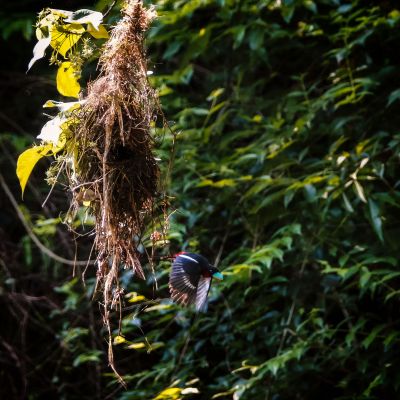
[{"x": 115, "y": 169}]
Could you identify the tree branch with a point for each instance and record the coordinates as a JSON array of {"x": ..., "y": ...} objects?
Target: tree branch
[{"x": 32, "y": 235}]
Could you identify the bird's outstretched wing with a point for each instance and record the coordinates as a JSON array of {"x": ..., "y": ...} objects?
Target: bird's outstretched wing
[
  {"x": 203, "y": 288},
  {"x": 182, "y": 286}
]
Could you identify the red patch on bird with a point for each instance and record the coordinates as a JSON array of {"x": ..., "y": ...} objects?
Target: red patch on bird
[
  {"x": 206, "y": 274},
  {"x": 178, "y": 254}
]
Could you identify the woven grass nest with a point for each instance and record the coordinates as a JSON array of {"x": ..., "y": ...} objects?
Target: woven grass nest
[{"x": 115, "y": 168}]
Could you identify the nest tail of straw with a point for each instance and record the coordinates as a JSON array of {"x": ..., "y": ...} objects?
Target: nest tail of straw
[{"x": 114, "y": 160}]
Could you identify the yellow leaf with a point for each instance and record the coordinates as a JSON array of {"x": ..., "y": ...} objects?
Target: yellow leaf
[
  {"x": 224, "y": 183},
  {"x": 63, "y": 37},
  {"x": 257, "y": 118},
  {"x": 27, "y": 160},
  {"x": 67, "y": 80},
  {"x": 55, "y": 12},
  {"x": 63, "y": 107},
  {"x": 100, "y": 33},
  {"x": 137, "y": 346},
  {"x": 169, "y": 394},
  {"x": 135, "y": 299},
  {"x": 62, "y": 141},
  {"x": 158, "y": 307},
  {"x": 119, "y": 339},
  {"x": 46, "y": 22}
]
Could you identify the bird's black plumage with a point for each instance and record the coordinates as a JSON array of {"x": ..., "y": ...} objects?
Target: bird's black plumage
[{"x": 190, "y": 280}]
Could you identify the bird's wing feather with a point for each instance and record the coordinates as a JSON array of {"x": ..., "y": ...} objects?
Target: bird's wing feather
[
  {"x": 202, "y": 292},
  {"x": 183, "y": 288}
]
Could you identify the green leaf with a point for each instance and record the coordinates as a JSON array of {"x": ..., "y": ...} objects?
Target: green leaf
[
  {"x": 376, "y": 220},
  {"x": 347, "y": 203},
  {"x": 172, "y": 49},
  {"x": 360, "y": 191},
  {"x": 372, "y": 336},
  {"x": 91, "y": 356},
  {"x": 256, "y": 38},
  {"x": 394, "y": 96},
  {"x": 377, "y": 381},
  {"x": 365, "y": 277}
]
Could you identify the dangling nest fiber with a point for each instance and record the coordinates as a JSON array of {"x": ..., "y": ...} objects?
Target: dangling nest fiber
[{"x": 115, "y": 168}]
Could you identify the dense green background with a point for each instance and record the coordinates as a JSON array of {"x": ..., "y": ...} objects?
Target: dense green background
[{"x": 286, "y": 118}]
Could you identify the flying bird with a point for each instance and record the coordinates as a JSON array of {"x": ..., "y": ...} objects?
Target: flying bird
[{"x": 190, "y": 280}]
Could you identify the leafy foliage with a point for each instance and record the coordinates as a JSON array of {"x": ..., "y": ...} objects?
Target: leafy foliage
[
  {"x": 285, "y": 129},
  {"x": 287, "y": 143}
]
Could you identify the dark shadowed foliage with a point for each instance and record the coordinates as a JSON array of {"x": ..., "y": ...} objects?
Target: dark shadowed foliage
[{"x": 285, "y": 137}]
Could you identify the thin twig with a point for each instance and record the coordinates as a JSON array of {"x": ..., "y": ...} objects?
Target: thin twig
[
  {"x": 109, "y": 8},
  {"x": 32, "y": 235},
  {"x": 54, "y": 184},
  {"x": 286, "y": 330}
]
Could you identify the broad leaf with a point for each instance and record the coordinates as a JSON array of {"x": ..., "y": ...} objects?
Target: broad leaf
[
  {"x": 85, "y": 16},
  {"x": 99, "y": 33},
  {"x": 52, "y": 130},
  {"x": 64, "y": 37},
  {"x": 172, "y": 393},
  {"x": 27, "y": 160},
  {"x": 67, "y": 80},
  {"x": 376, "y": 219},
  {"x": 39, "y": 50},
  {"x": 63, "y": 107}
]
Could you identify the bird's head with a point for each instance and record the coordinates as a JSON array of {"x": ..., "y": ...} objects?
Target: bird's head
[{"x": 215, "y": 272}]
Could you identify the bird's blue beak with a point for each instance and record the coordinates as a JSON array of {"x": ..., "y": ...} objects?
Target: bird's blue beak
[{"x": 218, "y": 276}]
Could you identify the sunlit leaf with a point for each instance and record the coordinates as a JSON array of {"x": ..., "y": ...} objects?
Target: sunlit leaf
[
  {"x": 85, "y": 16},
  {"x": 64, "y": 37},
  {"x": 27, "y": 160},
  {"x": 158, "y": 307},
  {"x": 137, "y": 346},
  {"x": 99, "y": 33},
  {"x": 68, "y": 106},
  {"x": 55, "y": 132},
  {"x": 137, "y": 298},
  {"x": 39, "y": 50},
  {"x": 190, "y": 390},
  {"x": 119, "y": 339},
  {"x": 171, "y": 393},
  {"x": 360, "y": 191},
  {"x": 60, "y": 13},
  {"x": 67, "y": 80}
]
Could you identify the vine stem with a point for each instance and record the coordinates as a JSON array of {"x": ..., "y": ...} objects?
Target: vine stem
[{"x": 31, "y": 234}]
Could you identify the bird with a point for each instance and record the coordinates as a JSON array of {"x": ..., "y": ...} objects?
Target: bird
[{"x": 190, "y": 280}]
